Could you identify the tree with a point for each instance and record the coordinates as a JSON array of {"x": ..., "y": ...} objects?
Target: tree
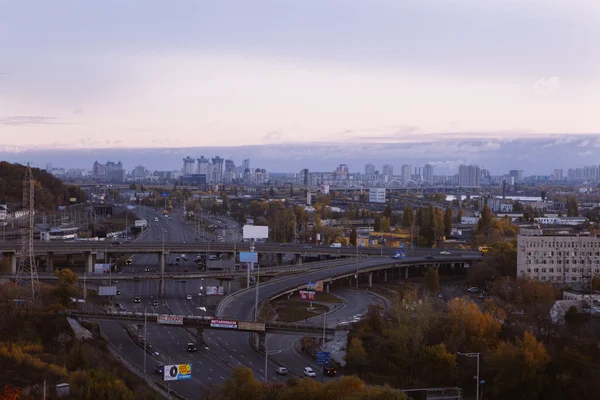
[
  {"x": 408, "y": 217},
  {"x": 291, "y": 191},
  {"x": 271, "y": 192},
  {"x": 356, "y": 355},
  {"x": 485, "y": 221},
  {"x": 459, "y": 215},
  {"x": 387, "y": 212},
  {"x": 133, "y": 186},
  {"x": 242, "y": 385},
  {"x": 518, "y": 207},
  {"x": 65, "y": 289},
  {"x": 225, "y": 203},
  {"x": 572, "y": 206},
  {"x": 432, "y": 279},
  {"x": 353, "y": 237},
  {"x": 448, "y": 221},
  {"x": 438, "y": 365},
  {"x": 517, "y": 370},
  {"x": 377, "y": 226},
  {"x": 543, "y": 195},
  {"x": 384, "y": 224},
  {"x": 469, "y": 328}
]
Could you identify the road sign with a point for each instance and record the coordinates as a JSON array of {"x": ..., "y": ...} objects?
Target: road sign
[
  {"x": 107, "y": 290},
  {"x": 169, "y": 320},
  {"x": 177, "y": 372},
  {"x": 322, "y": 357},
  {"x": 255, "y": 232},
  {"x": 223, "y": 323},
  {"x": 164, "y": 194},
  {"x": 251, "y": 326},
  {"x": 248, "y": 256},
  {"x": 307, "y": 295}
]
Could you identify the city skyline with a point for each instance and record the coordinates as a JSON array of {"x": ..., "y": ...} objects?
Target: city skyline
[{"x": 99, "y": 75}]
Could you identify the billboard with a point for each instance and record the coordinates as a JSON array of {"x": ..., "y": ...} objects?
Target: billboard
[
  {"x": 255, "y": 232},
  {"x": 101, "y": 268},
  {"x": 169, "y": 320},
  {"x": 62, "y": 208},
  {"x": 223, "y": 323},
  {"x": 140, "y": 223},
  {"x": 307, "y": 295},
  {"x": 177, "y": 372},
  {"x": 164, "y": 194},
  {"x": 215, "y": 290},
  {"x": 248, "y": 257},
  {"x": 107, "y": 290},
  {"x": 315, "y": 286},
  {"x": 251, "y": 326},
  {"x": 73, "y": 199}
]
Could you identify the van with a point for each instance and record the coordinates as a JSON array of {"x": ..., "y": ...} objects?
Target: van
[{"x": 336, "y": 245}]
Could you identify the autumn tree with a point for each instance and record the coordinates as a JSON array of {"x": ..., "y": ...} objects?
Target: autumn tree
[
  {"x": 353, "y": 237},
  {"x": 385, "y": 224},
  {"x": 408, "y": 217},
  {"x": 459, "y": 215},
  {"x": 517, "y": 370},
  {"x": 242, "y": 385},
  {"x": 572, "y": 206},
  {"x": 448, "y": 221},
  {"x": 357, "y": 355},
  {"x": 65, "y": 288},
  {"x": 432, "y": 279},
  {"x": 470, "y": 329},
  {"x": 485, "y": 221}
]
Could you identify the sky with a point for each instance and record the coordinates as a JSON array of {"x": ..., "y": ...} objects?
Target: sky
[{"x": 155, "y": 74}]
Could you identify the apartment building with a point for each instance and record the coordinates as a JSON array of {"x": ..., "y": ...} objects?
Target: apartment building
[{"x": 560, "y": 259}]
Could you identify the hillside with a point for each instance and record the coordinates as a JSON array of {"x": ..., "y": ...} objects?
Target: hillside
[{"x": 50, "y": 192}]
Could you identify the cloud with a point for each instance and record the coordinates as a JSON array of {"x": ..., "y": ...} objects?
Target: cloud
[
  {"x": 585, "y": 153},
  {"x": 584, "y": 143},
  {"x": 560, "y": 141},
  {"x": 77, "y": 111},
  {"x": 29, "y": 120},
  {"x": 547, "y": 85},
  {"x": 275, "y": 136}
]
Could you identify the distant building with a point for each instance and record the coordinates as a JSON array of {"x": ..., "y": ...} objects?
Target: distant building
[
  {"x": 517, "y": 174},
  {"x": 217, "y": 173},
  {"x": 405, "y": 171},
  {"x": 428, "y": 173},
  {"x": 110, "y": 171},
  {"x": 139, "y": 172},
  {"x": 304, "y": 177},
  {"x": 388, "y": 172},
  {"x": 469, "y": 175},
  {"x": 377, "y": 195},
  {"x": 189, "y": 166}
]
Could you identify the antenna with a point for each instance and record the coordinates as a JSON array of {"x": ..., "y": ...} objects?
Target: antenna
[{"x": 27, "y": 276}]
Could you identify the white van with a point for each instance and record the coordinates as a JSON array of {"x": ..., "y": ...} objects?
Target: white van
[{"x": 336, "y": 245}]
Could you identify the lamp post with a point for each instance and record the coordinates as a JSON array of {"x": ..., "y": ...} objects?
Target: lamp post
[
  {"x": 145, "y": 339},
  {"x": 477, "y": 377}
]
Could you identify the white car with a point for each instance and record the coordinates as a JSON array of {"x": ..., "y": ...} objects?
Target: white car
[
  {"x": 281, "y": 371},
  {"x": 446, "y": 253},
  {"x": 473, "y": 290},
  {"x": 308, "y": 371},
  {"x": 189, "y": 297}
]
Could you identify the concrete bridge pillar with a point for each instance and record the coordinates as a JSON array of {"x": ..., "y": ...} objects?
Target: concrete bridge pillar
[
  {"x": 261, "y": 341},
  {"x": 90, "y": 259},
  {"x": 279, "y": 259},
  {"x": 161, "y": 262},
  {"x": 385, "y": 276},
  {"x": 329, "y": 284},
  {"x": 370, "y": 276},
  {"x": 298, "y": 259},
  {"x": 50, "y": 261},
  {"x": 406, "y": 273},
  {"x": 161, "y": 288}
]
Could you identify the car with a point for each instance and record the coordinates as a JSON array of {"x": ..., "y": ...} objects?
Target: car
[
  {"x": 171, "y": 264},
  {"x": 118, "y": 292},
  {"x": 329, "y": 371},
  {"x": 118, "y": 305},
  {"x": 176, "y": 259},
  {"x": 116, "y": 243},
  {"x": 183, "y": 281},
  {"x": 445, "y": 252},
  {"x": 429, "y": 257},
  {"x": 281, "y": 371},
  {"x": 473, "y": 289},
  {"x": 191, "y": 347},
  {"x": 308, "y": 371},
  {"x": 137, "y": 300},
  {"x": 146, "y": 269},
  {"x": 176, "y": 262},
  {"x": 186, "y": 270},
  {"x": 155, "y": 303},
  {"x": 189, "y": 297},
  {"x": 159, "y": 369},
  {"x": 128, "y": 262}
]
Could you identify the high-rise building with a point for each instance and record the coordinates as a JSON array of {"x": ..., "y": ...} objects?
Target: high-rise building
[
  {"x": 377, "y": 195},
  {"x": 304, "y": 177},
  {"x": 388, "y": 172},
  {"x": 369, "y": 170},
  {"x": 469, "y": 175},
  {"x": 246, "y": 163},
  {"x": 428, "y": 173},
  {"x": 405, "y": 172},
  {"x": 189, "y": 166},
  {"x": 517, "y": 174},
  {"x": 139, "y": 172},
  {"x": 557, "y": 175},
  {"x": 217, "y": 171},
  {"x": 203, "y": 167}
]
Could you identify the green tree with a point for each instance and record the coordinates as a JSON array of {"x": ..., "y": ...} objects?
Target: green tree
[
  {"x": 225, "y": 204},
  {"x": 385, "y": 224},
  {"x": 133, "y": 186},
  {"x": 518, "y": 207},
  {"x": 291, "y": 191},
  {"x": 448, "y": 221},
  {"x": 408, "y": 217},
  {"x": 65, "y": 288},
  {"x": 387, "y": 212},
  {"x": 572, "y": 206},
  {"x": 485, "y": 221},
  {"x": 377, "y": 226},
  {"x": 357, "y": 355},
  {"x": 517, "y": 370},
  {"x": 353, "y": 237},
  {"x": 432, "y": 279}
]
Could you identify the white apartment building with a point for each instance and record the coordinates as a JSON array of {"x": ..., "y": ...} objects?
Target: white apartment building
[
  {"x": 560, "y": 259},
  {"x": 377, "y": 195}
]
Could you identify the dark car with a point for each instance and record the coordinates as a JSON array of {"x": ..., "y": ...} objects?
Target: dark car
[
  {"x": 116, "y": 243},
  {"x": 329, "y": 371},
  {"x": 128, "y": 262},
  {"x": 155, "y": 303},
  {"x": 191, "y": 347},
  {"x": 137, "y": 300},
  {"x": 429, "y": 257},
  {"x": 159, "y": 369}
]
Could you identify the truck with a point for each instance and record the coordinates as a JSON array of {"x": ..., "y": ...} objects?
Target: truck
[{"x": 165, "y": 212}]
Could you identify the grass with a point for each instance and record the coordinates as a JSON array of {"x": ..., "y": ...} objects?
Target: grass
[
  {"x": 296, "y": 310},
  {"x": 324, "y": 297}
]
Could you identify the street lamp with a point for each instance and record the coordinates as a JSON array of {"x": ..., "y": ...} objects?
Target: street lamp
[
  {"x": 477, "y": 356},
  {"x": 268, "y": 353}
]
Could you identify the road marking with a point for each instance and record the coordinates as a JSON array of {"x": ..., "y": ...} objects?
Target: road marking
[
  {"x": 222, "y": 378},
  {"x": 210, "y": 369}
]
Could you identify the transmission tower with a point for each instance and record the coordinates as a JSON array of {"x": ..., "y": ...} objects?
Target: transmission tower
[{"x": 27, "y": 277}]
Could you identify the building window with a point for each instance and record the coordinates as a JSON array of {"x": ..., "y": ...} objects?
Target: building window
[
  {"x": 543, "y": 269},
  {"x": 551, "y": 278},
  {"x": 544, "y": 277},
  {"x": 574, "y": 279},
  {"x": 559, "y": 261},
  {"x": 566, "y": 269},
  {"x": 528, "y": 269},
  {"x": 551, "y": 269},
  {"x": 551, "y": 261},
  {"x": 558, "y": 269}
]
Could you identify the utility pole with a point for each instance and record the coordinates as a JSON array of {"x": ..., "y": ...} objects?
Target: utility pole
[
  {"x": 145, "y": 339},
  {"x": 477, "y": 377}
]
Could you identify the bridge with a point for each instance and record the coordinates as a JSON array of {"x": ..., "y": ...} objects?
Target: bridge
[{"x": 201, "y": 322}]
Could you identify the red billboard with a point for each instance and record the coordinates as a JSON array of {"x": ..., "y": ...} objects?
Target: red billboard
[{"x": 307, "y": 295}]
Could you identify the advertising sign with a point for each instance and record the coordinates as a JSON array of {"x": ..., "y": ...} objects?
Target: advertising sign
[
  {"x": 140, "y": 223},
  {"x": 322, "y": 357},
  {"x": 215, "y": 290},
  {"x": 73, "y": 199},
  {"x": 307, "y": 295},
  {"x": 248, "y": 257},
  {"x": 250, "y": 221},
  {"x": 177, "y": 372},
  {"x": 62, "y": 208},
  {"x": 164, "y": 194},
  {"x": 107, "y": 290},
  {"x": 101, "y": 268},
  {"x": 315, "y": 286},
  {"x": 251, "y": 326},
  {"x": 255, "y": 232},
  {"x": 223, "y": 323},
  {"x": 169, "y": 319}
]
